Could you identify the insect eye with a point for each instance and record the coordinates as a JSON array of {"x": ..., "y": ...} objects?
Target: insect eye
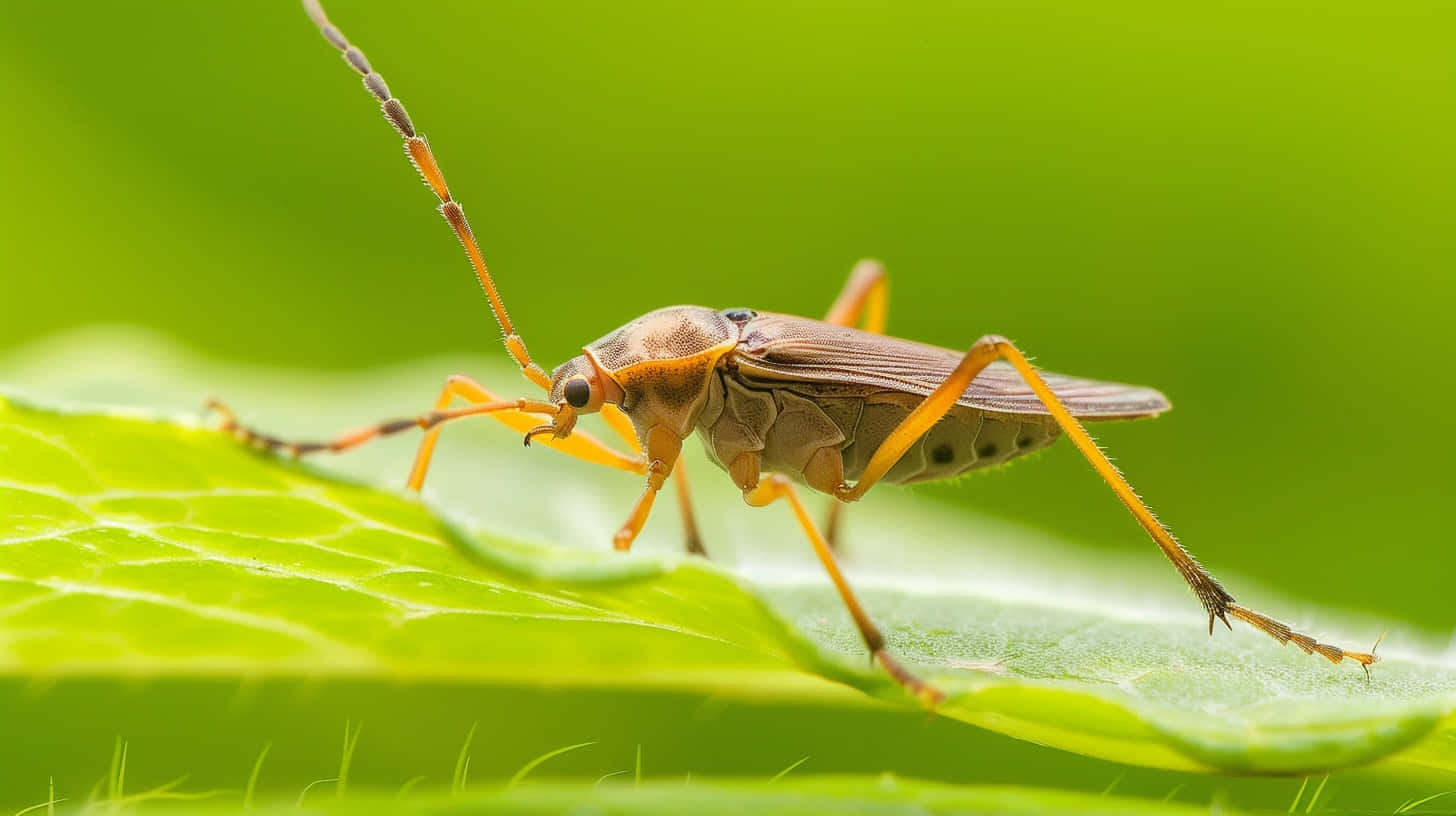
[{"x": 577, "y": 392}]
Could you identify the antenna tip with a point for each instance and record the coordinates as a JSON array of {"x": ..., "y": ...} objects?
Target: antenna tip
[{"x": 315, "y": 12}]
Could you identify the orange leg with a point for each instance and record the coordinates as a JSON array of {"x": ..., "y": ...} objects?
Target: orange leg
[
  {"x": 692, "y": 538},
  {"x": 1216, "y": 600},
  {"x": 621, "y": 426},
  {"x": 865, "y": 294},
  {"x": 777, "y": 486},
  {"x": 663, "y": 447},
  {"x": 522, "y": 414},
  {"x": 657, "y": 463},
  {"x": 579, "y": 444}
]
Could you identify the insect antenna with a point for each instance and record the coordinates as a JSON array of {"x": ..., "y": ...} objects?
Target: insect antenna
[{"x": 419, "y": 153}]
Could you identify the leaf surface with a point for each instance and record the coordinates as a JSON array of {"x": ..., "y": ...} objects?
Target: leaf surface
[{"x": 139, "y": 547}]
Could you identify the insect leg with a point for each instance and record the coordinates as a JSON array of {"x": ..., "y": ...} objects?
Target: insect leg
[
  {"x": 866, "y": 295},
  {"x": 621, "y": 426},
  {"x": 833, "y": 523},
  {"x": 777, "y": 486},
  {"x": 692, "y": 538},
  {"x": 1215, "y": 599},
  {"x": 579, "y": 444},
  {"x": 417, "y": 150},
  {"x": 522, "y": 415},
  {"x": 663, "y": 447}
]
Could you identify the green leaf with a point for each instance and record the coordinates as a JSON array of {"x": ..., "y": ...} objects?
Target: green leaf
[
  {"x": 201, "y": 555},
  {"x": 138, "y": 548}
]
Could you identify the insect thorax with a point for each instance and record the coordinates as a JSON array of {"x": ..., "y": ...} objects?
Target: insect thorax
[{"x": 664, "y": 362}]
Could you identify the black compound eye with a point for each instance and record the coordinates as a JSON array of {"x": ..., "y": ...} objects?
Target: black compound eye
[
  {"x": 577, "y": 392},
  {"x": 740, "y": 315}
]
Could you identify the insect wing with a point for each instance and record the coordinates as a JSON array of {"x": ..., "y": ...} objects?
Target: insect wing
[{"x": 784, "y": 347}]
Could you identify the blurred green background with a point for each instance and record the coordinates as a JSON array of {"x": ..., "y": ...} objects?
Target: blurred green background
[{"x": 1252, "y": 207}]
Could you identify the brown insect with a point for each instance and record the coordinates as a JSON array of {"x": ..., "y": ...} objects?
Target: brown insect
[{"x": 779, "y": 399}]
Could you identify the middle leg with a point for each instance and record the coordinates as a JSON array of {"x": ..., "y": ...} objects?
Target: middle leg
[
  {"x": 692, "y": 538},
  {"x": 777, "y": 486}
]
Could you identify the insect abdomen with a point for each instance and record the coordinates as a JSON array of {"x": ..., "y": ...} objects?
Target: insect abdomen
[
  {"x": 965, "y": 439},
  {"x": 823, "y": 434}
]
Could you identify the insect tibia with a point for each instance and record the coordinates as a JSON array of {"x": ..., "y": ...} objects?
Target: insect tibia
[{"x": 1215, "y": 599}]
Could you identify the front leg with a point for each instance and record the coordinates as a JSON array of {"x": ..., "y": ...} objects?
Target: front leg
[
  {"x": 692, "y": 538},
  {"x": 520, "y": 414},
  {"x": 662, "y": 449}
]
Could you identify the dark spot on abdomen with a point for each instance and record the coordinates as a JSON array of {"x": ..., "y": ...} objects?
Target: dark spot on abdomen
[
  {"x": 942, "y": 454},
  {"x": 987, "y": 450}
]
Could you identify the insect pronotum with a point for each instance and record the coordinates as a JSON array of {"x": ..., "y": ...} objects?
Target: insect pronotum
[{"x": 779, "y": 399}]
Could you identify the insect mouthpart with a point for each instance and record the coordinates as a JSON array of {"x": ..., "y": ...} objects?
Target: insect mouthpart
[{"x": 560, "y": 427}]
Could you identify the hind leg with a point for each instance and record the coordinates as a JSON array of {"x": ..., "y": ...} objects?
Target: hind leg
[{"x": 1217, "y": 602}]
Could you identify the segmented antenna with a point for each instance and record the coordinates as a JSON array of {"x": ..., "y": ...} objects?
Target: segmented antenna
[{"x": 418, "y": 151}]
